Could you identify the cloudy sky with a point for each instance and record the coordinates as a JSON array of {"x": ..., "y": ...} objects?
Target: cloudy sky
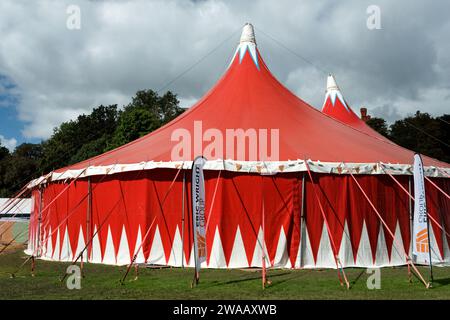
[{"x": 50, "y": 73}]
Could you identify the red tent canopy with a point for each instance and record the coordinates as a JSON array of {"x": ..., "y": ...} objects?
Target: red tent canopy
[
  {"x": 290, "y": 220},
  {"x": 336, "y": 107},
  {"x": 248, "y": 96}
]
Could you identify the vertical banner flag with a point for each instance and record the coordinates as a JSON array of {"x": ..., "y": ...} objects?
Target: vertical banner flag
[
  {"x": 198, "y": 213},
  {"x": 421, "y": 245}
]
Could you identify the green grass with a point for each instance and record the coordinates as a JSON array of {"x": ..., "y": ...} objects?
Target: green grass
[{"x": 102, "y": 282}]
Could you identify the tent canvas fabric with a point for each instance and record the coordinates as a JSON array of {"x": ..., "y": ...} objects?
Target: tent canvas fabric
[{"x": 135, "y": 203}]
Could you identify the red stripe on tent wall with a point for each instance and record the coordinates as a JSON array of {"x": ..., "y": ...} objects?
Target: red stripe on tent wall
[
  {"x": 404, "y": 215},
  {"x": 168, "y": 213},
  {"x": 439, "y": 208},
  {"x": 313, "y": 217},
  {"x": 279, "y": 212},
  {"x": 334, "y": 202},
  {"x": 77, "y": 209},
  {"x": 241, "y": 206}
]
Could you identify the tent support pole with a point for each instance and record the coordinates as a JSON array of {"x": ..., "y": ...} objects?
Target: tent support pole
[
  {"x": 427, "y": 284},
  {"x": 183, "y": 195},
  {"x": 333, "y": 244}
]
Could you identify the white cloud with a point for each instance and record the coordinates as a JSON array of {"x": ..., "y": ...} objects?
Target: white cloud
[
  {"x": 125, "y": 46},
  {"x": 10, "y": 144}
]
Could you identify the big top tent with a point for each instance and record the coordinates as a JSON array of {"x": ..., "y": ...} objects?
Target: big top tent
[{"x": 284, "y": 182}]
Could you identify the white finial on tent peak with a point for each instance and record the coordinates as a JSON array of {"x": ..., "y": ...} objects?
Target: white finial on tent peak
[
  {"x": 248, "y": 34},
  {"x": 331, "y": 83}
]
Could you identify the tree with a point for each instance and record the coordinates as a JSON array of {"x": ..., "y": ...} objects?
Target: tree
[
  {"x": 65, "y": 146},
  {"x": 4, "y": 152},
  {"x": 19, "y": 167},
  {"x": 379, "y": 125},
  {"x": 147, "y": 112},
  {"x": 424, "y": 134}
]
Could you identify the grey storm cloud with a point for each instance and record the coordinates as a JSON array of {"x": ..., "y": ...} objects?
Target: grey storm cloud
[{"x": 125, "y": 46}]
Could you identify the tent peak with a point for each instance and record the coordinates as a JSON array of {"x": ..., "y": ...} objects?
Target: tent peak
[
  {"x": 331, "y": 83},
  {"x": 248, "y": 34}
]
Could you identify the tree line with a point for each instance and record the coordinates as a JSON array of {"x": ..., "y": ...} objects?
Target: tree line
[
  {"x": 420, "y": 132},
  {"x": 105, "y": 128},
  {"x": 108, "y": 127}
]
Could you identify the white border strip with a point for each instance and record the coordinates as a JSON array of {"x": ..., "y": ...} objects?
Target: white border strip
[{"x": 259, "y": 167}]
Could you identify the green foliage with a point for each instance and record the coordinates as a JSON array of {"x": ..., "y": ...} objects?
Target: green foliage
[
  {"x": 4, "y": 152},
  {"x": 146, "y": 113},
  {"x": 424, "y": 134},
  {"x": 19, "y": 167},
  {"x": 67, "y": 144},
  {"x": 379, "y": 125}
]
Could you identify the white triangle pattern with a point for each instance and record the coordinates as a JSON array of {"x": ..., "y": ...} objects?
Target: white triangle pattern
[
  {"x": 80, "y": 246},
  {"x": 96, "y": 251},
  {"x": 325, "y": 258},
  {"x": 381, "y": 256},
  {"x": 217, "y": 256},
  {"x": 398, "y": 254},
  {"x": 258, "y": 252},
  {"x": 345, "y": 251},
  {"x": 109, "y": 256},
  {"x": 156, "y": 255},
  {"x": 364, "y": 255},
  {"x": 238, "y": 258},
  {"x": 307, "y": 258},
  {"x": 282, "y": 257},
  {"x": 55, "y": 255},
  {"x": 140, "y": 258},
  {"x": 175, "y": 252},
  {"x": 123, "y": 254}
]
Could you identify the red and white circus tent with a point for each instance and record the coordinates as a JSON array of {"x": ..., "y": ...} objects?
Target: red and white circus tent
[{"x": 132, "y": 200}]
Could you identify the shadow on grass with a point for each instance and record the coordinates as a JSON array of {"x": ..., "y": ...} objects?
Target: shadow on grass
[
  {"x": 217, "y": 283},
  {"x": 353, "y": 283},
  {"x": 441, "y": 282}
]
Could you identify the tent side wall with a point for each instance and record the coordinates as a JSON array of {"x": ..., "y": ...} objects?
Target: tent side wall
[{"x": 143, "y": 210}]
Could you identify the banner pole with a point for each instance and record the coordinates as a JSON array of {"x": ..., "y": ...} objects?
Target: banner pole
[
  {"x": 198, "y": 215},
  {"x": 411, "y": 216}
]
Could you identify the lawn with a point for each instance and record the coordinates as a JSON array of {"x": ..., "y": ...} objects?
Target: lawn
[{"x": 102, "y": 282}]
